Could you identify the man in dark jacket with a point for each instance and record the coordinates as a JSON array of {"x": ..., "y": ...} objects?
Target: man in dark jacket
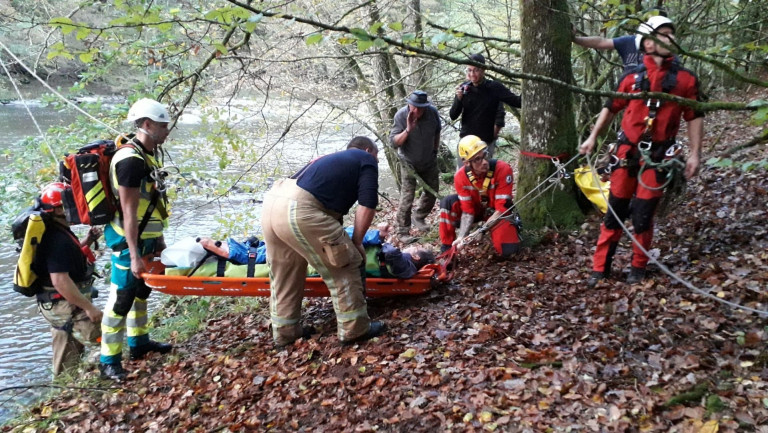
[{"x": 478, "y": 101}]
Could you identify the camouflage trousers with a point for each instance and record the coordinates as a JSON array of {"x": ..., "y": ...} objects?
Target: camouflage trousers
[
  {"x": 71, "y": 330},
  {"x": 408, "y": 184}
]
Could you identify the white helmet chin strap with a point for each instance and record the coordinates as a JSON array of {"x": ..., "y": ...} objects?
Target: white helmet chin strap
[{"x": 145, "y": 132}]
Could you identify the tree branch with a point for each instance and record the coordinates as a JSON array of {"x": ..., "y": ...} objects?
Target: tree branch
[
  {"x": 696, "y": 105},
  {"x": 758, "y": 139}
]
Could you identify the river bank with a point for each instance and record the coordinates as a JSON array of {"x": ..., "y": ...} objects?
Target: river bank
[{"x": 204, "y": 204}]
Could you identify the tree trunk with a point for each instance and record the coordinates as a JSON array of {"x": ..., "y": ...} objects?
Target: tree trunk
[{"x": 547, "y": 123}]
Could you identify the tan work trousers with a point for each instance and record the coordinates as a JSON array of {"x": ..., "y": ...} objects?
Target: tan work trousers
[
  {"x": 71, "y": 329},
  {"x": 298, "y": 230}
]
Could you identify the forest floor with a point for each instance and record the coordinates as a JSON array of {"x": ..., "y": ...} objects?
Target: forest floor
[{"x": 517, "y": 345}]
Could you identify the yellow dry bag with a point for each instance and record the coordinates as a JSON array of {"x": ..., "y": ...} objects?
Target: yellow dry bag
[{"x": 592, "y": 187}]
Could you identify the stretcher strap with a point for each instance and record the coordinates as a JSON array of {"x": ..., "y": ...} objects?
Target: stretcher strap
[
  {"x": 445, "y": 265},
  {"x": 561, "y": 157}
]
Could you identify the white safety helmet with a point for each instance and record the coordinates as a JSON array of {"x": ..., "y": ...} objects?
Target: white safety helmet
[
  {"x": 651, "y": 26},
  {"x": 148, "y": 109}
]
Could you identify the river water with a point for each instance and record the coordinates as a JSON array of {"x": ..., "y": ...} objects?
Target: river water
[{"x": 25, "y": 351}]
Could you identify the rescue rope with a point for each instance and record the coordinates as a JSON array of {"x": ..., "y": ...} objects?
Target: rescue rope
[
  {"x": 670, "y": 164},
  {"x": 51, "y": 89},
  {"x": 661, "y": 266},
  {"x": 542, "y": 156},
  {"x": 551, "y": 181}
]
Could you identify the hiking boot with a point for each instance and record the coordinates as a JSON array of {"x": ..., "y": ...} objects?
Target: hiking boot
[
  {"x": 114, "y": 372},
  {"x": 376, "y": 329},
  {"x": 421, "y": 225},
  {"x": 407, "y": 239},
  {"x": 139, "y": 352},
  {"x": 636, "y": 275},
  {"x": 595, "y": 278},
  {"x": 306, "y": 334}
]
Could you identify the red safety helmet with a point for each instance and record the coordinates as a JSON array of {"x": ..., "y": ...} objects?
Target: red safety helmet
[{"x": 51, "y": 197}]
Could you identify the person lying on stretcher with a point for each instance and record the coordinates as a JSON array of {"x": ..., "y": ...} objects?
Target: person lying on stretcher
[{"x": 382, "y": 259}]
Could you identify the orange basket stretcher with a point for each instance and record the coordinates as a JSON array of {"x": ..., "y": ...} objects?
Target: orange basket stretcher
[{"x": 179, "y": 285}]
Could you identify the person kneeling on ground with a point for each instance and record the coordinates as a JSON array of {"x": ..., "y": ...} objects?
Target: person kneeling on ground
[
  {"x": 482, "y": 185},
  {"x": 65, "y": 266}
]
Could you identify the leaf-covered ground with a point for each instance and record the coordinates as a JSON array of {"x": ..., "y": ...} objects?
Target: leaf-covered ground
[{"x": 519, "y": 345}]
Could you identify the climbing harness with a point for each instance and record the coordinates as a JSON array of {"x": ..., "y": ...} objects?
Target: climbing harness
[
  {"x": 446, "y": 260},
  {"x": 663, "y": 267}
]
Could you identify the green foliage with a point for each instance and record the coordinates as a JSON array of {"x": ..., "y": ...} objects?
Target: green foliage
[
  {"x": 314, "y": 39},
  {"x": 740, "y": 165},
  {"x": 183, "y": 317},
  {"x": 714, "y": 404}
]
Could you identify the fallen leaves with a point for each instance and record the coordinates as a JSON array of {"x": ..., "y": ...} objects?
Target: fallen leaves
[{"x": 511, "y": 345}]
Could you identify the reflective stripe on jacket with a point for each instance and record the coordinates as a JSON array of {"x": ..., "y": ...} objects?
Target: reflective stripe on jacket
[{"x": 159, "y": 219}]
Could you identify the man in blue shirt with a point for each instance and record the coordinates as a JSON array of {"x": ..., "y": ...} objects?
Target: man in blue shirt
[
  {"x": 628, "y": 47},
  {"x": 624, "y": 45},
  {"x": 302, "y": 222}
]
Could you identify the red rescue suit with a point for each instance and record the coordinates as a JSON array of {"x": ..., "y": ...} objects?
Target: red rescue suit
[
  {"x": 481, "y": 197},
  {"x": 628, "y": 197}
]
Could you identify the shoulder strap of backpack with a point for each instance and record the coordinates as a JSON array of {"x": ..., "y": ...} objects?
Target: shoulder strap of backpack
[{"x": 155, "y": 194}]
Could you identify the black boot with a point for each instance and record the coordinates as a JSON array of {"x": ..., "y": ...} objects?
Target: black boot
[
  {"x": 138, "y": 352},
  {"x": 114, "y": 372},
  {"x": 609, "y": 259},
  {"x": 306, "y": 334},
  {"x": 595, "y": 278},
  {"x": 376, "y": 329},
  {"x": 636, "y": 275}
]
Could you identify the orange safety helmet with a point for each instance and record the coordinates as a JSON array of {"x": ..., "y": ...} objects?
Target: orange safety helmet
[
  {"x": 471, "y": 145},
  {"x": 51, "y": 197}
]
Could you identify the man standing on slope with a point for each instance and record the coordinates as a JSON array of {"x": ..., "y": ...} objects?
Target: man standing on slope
[
  {"x": 301, "y": 219},
  {"x": 478, "y": 102},
  {"x": 416, "y": 136},
  {"x": 649, "y": 126},
  {"x": 136, "y": 231}
]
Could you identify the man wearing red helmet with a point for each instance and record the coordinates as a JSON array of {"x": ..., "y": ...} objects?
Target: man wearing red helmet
[{"x": 65, "y": 267}]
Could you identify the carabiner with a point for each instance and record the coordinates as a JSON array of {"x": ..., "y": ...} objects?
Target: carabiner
[
  {"x": 644, "y": 146},
  {"x": 673, "y": 150}
]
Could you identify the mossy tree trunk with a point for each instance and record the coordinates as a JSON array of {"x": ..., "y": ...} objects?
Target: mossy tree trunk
[{"x": 547, "y": 122}]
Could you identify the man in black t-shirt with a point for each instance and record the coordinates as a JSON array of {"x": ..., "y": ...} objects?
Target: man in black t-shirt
[
  {"x": 137, "y": 182},
  {"x": 301, "y": 218},
  {"x": 65, "y": 267}
]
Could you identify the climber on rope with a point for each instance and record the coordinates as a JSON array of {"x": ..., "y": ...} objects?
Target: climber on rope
[{"x": 647, "y": 147}]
